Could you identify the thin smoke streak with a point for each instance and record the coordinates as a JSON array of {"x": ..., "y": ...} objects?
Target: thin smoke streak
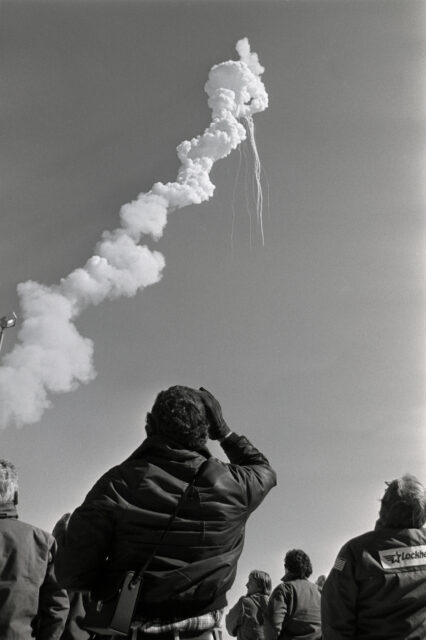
[
  {"x": 258, "y": 195},
  {"x": 51, "y": 356},
  {"x": 234, "y": 191},
  {"x": 268, "y": 203},
  {"x": 247, "y": 192}
]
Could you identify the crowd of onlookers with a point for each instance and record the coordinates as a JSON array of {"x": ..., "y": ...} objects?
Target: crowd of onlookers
[
  {"x": 293, "y": 607},
  {"x": 177, "y": 515},
  {"x": 376, "y": 588}
]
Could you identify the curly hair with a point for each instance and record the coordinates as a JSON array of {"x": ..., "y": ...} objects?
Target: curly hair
[
  {"x": 404, "y": 503},
  {"x": 298, "y": 563},
  {"x": 179, "y": 414},
  {"x": 8, "y": 481}
]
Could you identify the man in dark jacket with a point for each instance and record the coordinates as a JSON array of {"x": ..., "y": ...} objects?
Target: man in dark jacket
[
  {"x": 31, "y": 603},
  {"x": 123, "y": 516},
  {"x": 294, "y": 608},
  {"x": 78, "y": 601},
  {"x": 377, "y": 587}
]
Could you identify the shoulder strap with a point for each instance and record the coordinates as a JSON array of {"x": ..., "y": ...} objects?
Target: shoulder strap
[{"x": 138, "y": 575}]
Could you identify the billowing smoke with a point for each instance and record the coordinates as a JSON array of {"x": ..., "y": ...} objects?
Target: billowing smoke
[{"x": 51, "y": 356}]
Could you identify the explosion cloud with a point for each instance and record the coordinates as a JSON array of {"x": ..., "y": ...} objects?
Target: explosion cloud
[{"x": 51, "y": 356}]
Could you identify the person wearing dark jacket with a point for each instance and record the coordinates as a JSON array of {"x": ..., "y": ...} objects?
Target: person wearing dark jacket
[
  {"x": 31, "y": 603},
  {"x": 294, "y": 608},
  {"x": 247, "y": 617},
  {"x": 78, "y": 601},
  {"x": 124, "y": 515},
  {"x": 377, "y": 587}
]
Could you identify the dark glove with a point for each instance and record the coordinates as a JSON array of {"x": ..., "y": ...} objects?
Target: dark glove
[{"x": 218, "y": 428}]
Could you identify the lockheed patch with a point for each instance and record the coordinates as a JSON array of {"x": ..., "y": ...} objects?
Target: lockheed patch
[{"x": 403, "y": 557}]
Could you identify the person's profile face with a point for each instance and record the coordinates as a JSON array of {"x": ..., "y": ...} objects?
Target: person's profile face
[{"x": 252, "y": 586}]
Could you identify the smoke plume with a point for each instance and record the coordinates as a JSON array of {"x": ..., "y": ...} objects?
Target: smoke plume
[{"x": 50, "y": 355}]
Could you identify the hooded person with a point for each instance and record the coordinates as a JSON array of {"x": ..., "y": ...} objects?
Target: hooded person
[
  {"x": 376, "y": 589},
  {"x": 123, "y": 516}
]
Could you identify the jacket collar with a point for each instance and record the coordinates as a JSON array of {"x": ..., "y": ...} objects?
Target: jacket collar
[
  {"x": 288, "y": 577},
  {"x": 8, "y": 510},
  {"x": 169, "y": 449}
]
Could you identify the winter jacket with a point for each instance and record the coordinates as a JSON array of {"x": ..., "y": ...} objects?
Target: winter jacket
[
  {"x": 246, "y": 618},
  {"x": 31, "y": 603},
  {"x": 123, "y": 516},
  {"x": 73, "y": 627},
  {"x": 294, "y": 611},
  {"x": 377, "y": 588}
]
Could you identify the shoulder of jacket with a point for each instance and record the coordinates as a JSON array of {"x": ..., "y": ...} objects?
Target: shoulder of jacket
[
  {"x": 250, "y": 599},
  {"x": 215, "y": 467},
  {"x": 281, "y": 588},
  {"x": 361, "y": 541},
  {"x": 352, "y": 550},
  {"x": 258, "y": 599},
  {"x": 110, "y": 477},
  {"x": 40, "y": 534}
]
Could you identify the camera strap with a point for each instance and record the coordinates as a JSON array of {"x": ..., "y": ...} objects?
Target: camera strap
[{"x": 138, "y": 574}]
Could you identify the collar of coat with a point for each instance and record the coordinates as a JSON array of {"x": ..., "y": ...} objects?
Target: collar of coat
[
  {"x": 8, "y": 510},
  {"x": 289, "y": 577},
  {"x": 167, "y": 449}
]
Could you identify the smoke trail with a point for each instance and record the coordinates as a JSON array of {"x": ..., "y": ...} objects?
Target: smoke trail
[
  {"x": 51, "y": 356},
  {"x": 257, "y": 173}
]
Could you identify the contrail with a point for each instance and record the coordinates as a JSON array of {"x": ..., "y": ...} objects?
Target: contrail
[{"x": 50, "y": 355}]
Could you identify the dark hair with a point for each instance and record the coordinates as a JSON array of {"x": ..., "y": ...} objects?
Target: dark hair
[
  {"x": 298, "y": 563},
  {"x": 179, "y": 414},
  {"x": 263, "y": 581},
  {"x": 60, "y": 528},
  {"x": 403, "y": 504}
]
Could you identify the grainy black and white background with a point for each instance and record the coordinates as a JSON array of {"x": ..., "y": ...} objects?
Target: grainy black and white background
[{"x": 314, "y": 342}]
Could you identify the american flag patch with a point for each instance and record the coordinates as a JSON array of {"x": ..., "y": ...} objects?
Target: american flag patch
[{"x": 339, "y": 563}]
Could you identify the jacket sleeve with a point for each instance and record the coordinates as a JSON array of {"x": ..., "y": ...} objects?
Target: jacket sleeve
[
  {"x": 339, "y": 599},
  {"x": 234, "y": 618},
  {"x": 88, "y": 540},
  {"x": 250, "y": 468},
  {"x": 277, "y": 610},
  {"x": 53, "y": 602}
]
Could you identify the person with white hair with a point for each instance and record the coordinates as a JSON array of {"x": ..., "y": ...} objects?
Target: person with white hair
[
  {"x": 377, "y": 587},
  {"x": 31, "y": 603}
]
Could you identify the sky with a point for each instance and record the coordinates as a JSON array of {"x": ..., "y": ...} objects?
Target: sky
[{"x": 313, "y": 342}]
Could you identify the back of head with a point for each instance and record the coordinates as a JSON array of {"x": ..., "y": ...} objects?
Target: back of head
[
  {"x": 320, "y": 581},
  {"x": 8, "y": 482},
  {"x": 60, "y": 528},
  {"x": 403, "y": 504},
  {"x": 297, "y": 564},
  {"x": 179, "y": 415},
  {"x": 263, "y": 581}
]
